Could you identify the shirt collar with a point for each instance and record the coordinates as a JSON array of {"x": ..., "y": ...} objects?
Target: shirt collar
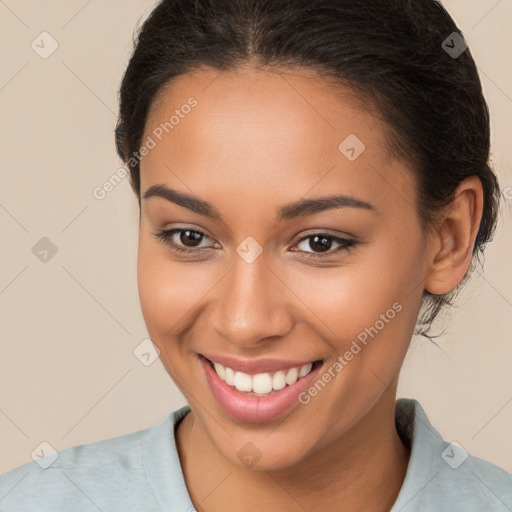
[
  {"x": 162, "y": 464},
  {"x": 426, "y": 446}
]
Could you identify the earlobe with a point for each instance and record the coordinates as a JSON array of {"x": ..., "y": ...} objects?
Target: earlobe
[{"x": 452, "y": 243}]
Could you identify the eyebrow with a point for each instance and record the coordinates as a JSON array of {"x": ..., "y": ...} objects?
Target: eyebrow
[{"x": 300, "y": 208}]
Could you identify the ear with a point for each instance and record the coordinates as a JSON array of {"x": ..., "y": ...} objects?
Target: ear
[{"x": 451, "y": 245}]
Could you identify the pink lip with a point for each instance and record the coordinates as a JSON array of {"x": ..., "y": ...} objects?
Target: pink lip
[
  {"x": 252, "y": 367},
  {"x": 251, "y": 408}
]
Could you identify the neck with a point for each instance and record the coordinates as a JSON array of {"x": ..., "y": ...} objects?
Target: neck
[{"x": 363, "y": 470}]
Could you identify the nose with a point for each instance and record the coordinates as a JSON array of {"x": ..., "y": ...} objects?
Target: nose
[{"x": 252, "y": 305}]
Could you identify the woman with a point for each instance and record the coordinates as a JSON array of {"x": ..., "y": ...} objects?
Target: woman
[{"x": 313, "y": 184}]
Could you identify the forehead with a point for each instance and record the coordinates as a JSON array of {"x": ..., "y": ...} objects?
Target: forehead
[
  {"x": 239, "y": 103},
  {"x": 255, "y": 130}
]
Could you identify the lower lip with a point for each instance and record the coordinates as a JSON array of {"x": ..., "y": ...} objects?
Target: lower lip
[{"x": 256, "y": 409}]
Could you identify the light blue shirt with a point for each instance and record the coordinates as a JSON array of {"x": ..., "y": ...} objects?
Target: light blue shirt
[{"x": 141, "y": 472}]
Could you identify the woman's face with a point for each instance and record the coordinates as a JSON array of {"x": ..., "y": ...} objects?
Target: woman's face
[{"x": 266, "y": 284}]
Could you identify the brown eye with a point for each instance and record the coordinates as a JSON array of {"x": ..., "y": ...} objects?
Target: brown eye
[
  {"x": 321, "y": 243},
  {"x": 187, "y": 238}
]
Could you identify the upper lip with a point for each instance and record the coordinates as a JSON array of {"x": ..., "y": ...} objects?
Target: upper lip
[{"x": 255, "y": 366}]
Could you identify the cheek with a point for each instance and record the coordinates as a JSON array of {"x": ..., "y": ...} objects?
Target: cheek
[
  {"x": 377, "y": 298},
  {"x": 170, "y": 293},
  {"x": 166, "y": 297},
  {"x": 165, "y": 291},
  {"x": 351, "y": 299}
]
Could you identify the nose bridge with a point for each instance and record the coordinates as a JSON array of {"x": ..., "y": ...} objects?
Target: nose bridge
[{"x": 251, "y": 308}]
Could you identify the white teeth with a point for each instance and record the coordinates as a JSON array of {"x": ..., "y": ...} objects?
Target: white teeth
[
  {"x": 261, "y": 383},
  {"x": 279, "y": 380},
  {"x": 305, "y": 370},
  {"x": 243, "y": 382},
  {"x": 292, "y": 376},
  {"x": 230, "y": 376},
  {"x": 221, "y": 372}
]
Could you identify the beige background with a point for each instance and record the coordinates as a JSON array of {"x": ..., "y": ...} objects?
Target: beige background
[{"x": 69, "y": 326}]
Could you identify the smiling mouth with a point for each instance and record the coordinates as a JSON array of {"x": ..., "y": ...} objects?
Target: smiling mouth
[{"x": 261, "y": 384}]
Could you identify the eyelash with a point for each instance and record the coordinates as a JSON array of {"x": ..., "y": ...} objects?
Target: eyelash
[{"x": 345, "y": 244}]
